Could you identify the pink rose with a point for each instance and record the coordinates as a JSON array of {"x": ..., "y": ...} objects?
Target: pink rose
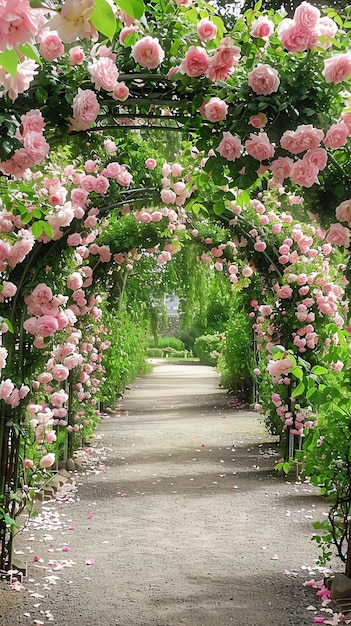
[
  {"x": 215, "y": 110},
  {"x": 8, "y": 289},
  {"x": 31, "y": 121},
  {"x": 79, "y": 197},
  {"x": 125, "y": 18},
  {"x": 76, "y": 55},
  {"x": 338, "y": 235},
  {"x": 346, "y": 118},
  {"x": 112, "y": 170},
  {"x": 279, "y": 367},
  {"x": 74, "y": 281},
  {"x": 14, "y": 85},
  {"x": 101, "y": 185},
  {"x": 230, "y": 147},
  {"x": 21, "y": 248},
  {"x": 338, "y": 68},
  {"x": 144, "y": 218},
  {"x": 195, "y": 62},
  {"x": 343, "y": 211},
  {"x": 326, "y": 28},
  {"x": 60, "y": 372},
  {"x": 148, "y": 53},
  {"x": 176, "y": 170},
  {"x": 259, "y": 147},
  {"x": 284, "y": 291},
  {"x": 317, "y": 156},
  {"x": 281, "y": 168},
  {"x": 124, "y": 177},
  {"x": 85, "y": 108},
  {"x": 206, "y": 29},
  {"x": 88, "y": 183},
  {"x": 306, "y": 15},
  {"x": 304, "y": 173},
  {"x": 46, "y": 326},
  {"x": 47, "y": 461},
  {"x": 336, "y": 136},
  {"x": 262, "y": 27},
  {"x": 150, "y": 164},
  {"x": 103, "y": 73},
  {"x": 50, "y": 436},
  {"x": 247, "y": 272},
  {"x": 51, "y": 47},
  {"x": 264, "y": 79},
  {"x": 19, "y": 23},
  {"x": 305, "y": 137},
  {"x": 120, "y": 92},
  {"x": 73, "y": 361},
  {"x": 296, "y": 38},
  {"x": 110, "y": 146},
  {"x": 35, "y": 146},
  {"x": 168, "y": 196},
  {"x": 91, "y": 166},
  {"x": 259, "y": 120},
  {"x": 222, "y": 63}
]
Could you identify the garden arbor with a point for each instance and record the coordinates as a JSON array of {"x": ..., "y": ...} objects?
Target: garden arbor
[{"x": 264, "y": 118}]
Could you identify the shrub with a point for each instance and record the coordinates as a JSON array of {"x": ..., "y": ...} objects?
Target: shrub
[
  {"x": 207, "y": 348},
  {"x": 125, "y": 359},
  {"x": 180, "y": 354},
  {"x": 236, "y": 362},
  {"x": 154, "y": 353},
  {"x": 170, "y": 342}
]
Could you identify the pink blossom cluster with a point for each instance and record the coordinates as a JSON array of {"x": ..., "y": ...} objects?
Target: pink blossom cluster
[
  {"x": 48, "y": 317},
  {"x": 34, "y": 146},
  {"x": 11, "y": 394},
  {"x": 302, "y": 32},
  {"x": 175, "y": 189},
  {"x": 217, "y": 66},
  {"x": 13, "y": 254},
  {"x": 294, "y": 420}
]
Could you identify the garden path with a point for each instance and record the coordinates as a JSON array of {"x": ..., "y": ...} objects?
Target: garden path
[{"x": 179, "y": 518}]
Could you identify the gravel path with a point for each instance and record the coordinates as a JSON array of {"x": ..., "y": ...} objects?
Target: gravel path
[{"x": 178, "y": 518}]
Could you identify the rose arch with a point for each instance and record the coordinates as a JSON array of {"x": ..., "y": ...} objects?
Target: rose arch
[{"x": 125, "y": 137}]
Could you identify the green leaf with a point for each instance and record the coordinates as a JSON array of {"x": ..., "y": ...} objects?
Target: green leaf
[
  {"x": 286, "y": 467},
  {"x": 30, "y": 51},
  {"x": 103, "y": 18},
  {"x": 278, "y": 350},
  {"x": 4, "y": 320},
  {"x": 219, "y": 207},
  {"x": 174, "y": 48},
  {"x": 134, "y": 8},
  {"x": 130, "y": 40},
  {"x": 47, "y": 229},
  {"x": 38, "y": 228},
  {"x": 299, "y": 390},
  {"x": 41, "y": 94},
  {"x": 197, "y": 208},
  {"x": 6, "y": 147},
  {"x": 243, "y": 198},
  {"x": 9, "y": 61},
  {"x": 319, "y": 369},
  {"x": 297, "y": 372}
]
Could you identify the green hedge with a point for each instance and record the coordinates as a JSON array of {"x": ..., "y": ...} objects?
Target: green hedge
[
  {"x": 208, "y": 348},
  {"x": 154, "y": 353}
]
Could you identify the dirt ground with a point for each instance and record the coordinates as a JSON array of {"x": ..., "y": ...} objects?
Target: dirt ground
[{"x": 176, "y": 517}]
